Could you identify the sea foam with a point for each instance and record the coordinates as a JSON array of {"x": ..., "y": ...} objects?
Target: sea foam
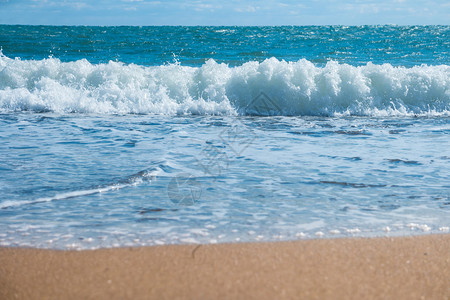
[{"x": 289, "y": 88}]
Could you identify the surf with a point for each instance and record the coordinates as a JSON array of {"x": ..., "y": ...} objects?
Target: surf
[{"x": 270, "y": 87}]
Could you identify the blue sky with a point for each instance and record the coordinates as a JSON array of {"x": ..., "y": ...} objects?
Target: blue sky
[{"x": 219, "y": 12}]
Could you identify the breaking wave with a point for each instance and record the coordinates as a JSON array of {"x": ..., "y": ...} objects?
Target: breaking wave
[{"x": 271, "y": 87}]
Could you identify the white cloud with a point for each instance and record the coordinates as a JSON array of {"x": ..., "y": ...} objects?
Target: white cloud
[
  {"x": 247, "y": 8},
  {"x": 201, "y": 7},
  {"x": 78, "y": 5}
]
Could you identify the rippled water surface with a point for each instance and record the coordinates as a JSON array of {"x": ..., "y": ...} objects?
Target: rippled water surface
[{"x": 85, "y": 181}]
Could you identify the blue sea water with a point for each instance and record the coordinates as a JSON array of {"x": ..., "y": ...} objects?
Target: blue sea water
[{"x": 128, "y": 136}]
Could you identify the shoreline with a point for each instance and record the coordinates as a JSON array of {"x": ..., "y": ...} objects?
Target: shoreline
[{"x": 412, "y": 267}]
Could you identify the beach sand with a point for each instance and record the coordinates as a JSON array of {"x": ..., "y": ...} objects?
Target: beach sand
[{"x": 357, "y": 268}]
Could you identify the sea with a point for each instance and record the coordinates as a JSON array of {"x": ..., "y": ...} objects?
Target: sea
[{"x": 140, "y": 136}]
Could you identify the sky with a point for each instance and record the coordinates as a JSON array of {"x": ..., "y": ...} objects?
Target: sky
[{"x": 220, "y": 12}]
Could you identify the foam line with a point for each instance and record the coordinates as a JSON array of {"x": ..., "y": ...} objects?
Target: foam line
[
  {"x": 132, "y": 180},
  {"x": 286, "y": 88}
]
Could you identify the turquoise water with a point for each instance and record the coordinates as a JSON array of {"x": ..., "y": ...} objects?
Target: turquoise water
[
  {"x": 119, "y": 136},
  {"x": 193, "y": 46}
]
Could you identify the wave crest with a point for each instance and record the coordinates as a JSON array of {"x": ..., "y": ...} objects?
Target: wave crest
[{"x": 271, "y": 87}]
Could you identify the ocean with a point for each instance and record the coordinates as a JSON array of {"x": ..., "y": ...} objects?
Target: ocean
[{"x": 133, "y": 136}]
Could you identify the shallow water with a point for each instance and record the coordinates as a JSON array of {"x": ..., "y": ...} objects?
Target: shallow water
[{"x": 89, "y": 181}]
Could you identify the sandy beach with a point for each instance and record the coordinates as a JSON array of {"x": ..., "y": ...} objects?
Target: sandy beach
[{"x": 357, "y": 268}]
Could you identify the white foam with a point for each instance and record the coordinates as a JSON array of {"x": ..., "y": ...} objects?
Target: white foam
[
  {"x": 300, "y": 235},
  {"x": 412, "y": 226},
  {"x": 132, "y": 180},
  {"x": 293, "y": 88},
  {"x": 189, "y": 241},
  {"x": 61, "y": 196},
  {"x": 353, "y": 230},
  {"x": 423, "y": 227}
]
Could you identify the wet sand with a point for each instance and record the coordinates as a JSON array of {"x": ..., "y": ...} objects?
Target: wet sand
[{"x": 354, "y": 268}]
